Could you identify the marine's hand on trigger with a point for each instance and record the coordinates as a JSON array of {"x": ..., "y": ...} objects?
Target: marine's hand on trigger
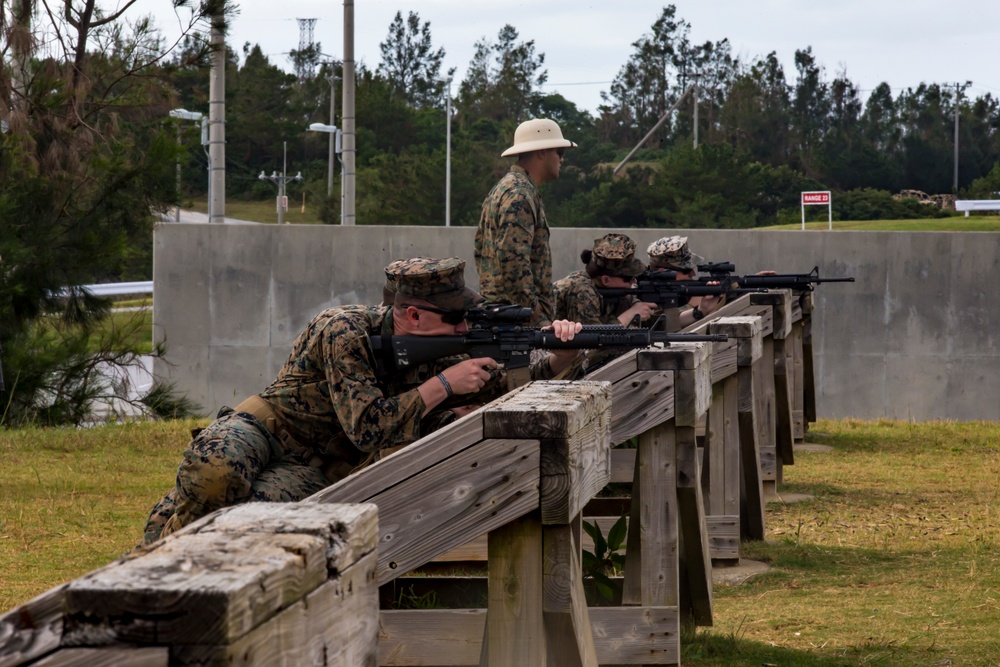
[{"x": 469, "y": 376}]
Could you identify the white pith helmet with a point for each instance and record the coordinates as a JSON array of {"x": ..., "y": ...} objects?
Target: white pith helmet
[{"x": 537, "y": 135}]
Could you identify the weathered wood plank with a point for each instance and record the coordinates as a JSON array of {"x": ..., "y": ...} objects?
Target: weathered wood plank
[
  {"x": 752, "y": 499},
  {"x": 478, "y": 489},
  {"x": 724, "y": 536},
  {"x": 112, "y": 656},
  {"x": 798, "y": 392},
  {"x": 514, "y": 632},
  {"x": 781, "y": 310},
  {"x": 615, "y": 370},
  {"x": 808, "y": 371},
  {"x": 732, "y": 308},
  {"x": 784, "y": 428},
  {"x": 336, "y": 624},
  {"x": 32, "y": 629},
  {"x": 570, "y": 640},
  {"x": 406, "y": 463},
  {"x": 541, "y": 410},
  {"x": 766, "y": 416},
  {"x": 731, "y": 447},
  {"x": 640, "y": 402},
  {"x": 573, "y": 421},
  {"x": 748, "y": 332},
  {"x": 622, "y": 635},
  {"x": 691, "y": 363},
  {"x": 651, "y": 563},
  {"x": 211, "y": 583},
  {"x": 350, "y": 532},
  {"x": 575, "y": 469},
  {"x": 693, "y": 529},
  {"x": 713, "y": 461}
]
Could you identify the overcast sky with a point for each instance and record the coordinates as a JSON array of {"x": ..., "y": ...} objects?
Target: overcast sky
[{"x": 586, "y": 42}]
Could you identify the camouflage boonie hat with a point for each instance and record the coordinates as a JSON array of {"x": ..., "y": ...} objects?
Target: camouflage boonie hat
[
  {"x": 616, "y": 253},
  {"x": 671, "y": 252},
  {"x": 440, "y": 282}
]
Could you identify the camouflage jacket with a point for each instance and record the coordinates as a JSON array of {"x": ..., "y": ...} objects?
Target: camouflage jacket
[
  {"x": 577, "y": 299},
  {"x": 332, "y": 403},
  {"x": 512, "y": 247}
]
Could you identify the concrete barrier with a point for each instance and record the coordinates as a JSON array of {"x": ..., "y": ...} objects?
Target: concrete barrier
[{"x": 916, "y": 337}]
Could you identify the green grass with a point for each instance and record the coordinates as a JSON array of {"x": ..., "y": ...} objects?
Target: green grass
[
  {"x": 979, "y": 223},
  {"x": 895, "y": 561},
  {"x": 72, "y": 500},
  {"x": 266, "y": 211}
]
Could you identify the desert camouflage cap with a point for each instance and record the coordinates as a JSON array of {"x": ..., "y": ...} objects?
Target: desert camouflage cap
[
  {"x": 616, "y": 253},
  {"x": 671, "y": 252},
  {"x": 440, "y": 282}
]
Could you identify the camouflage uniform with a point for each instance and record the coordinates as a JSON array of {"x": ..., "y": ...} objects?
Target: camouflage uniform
[
  {"x": 512, "y": 247},
  {"x": 576, "y": 295},
  {"x": 577, "y": 298},
  {"x": 332, "y": 409},
  {"x": 672, "y": 252}
]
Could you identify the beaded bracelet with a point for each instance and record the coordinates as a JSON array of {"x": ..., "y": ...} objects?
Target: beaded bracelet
[{"x": 444, "y": 381}]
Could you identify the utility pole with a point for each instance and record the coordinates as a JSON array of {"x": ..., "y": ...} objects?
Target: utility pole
[
  {"x": 332, "y": 155},
  {"x": 447, "y": 158},
  {"x": 349, "y": 149},
  {"x": 695, "y": 94},
  {"x": 217, "y": 124},
  {"x": 959, "y": 88},
  {"x": 280, "y": 180}
]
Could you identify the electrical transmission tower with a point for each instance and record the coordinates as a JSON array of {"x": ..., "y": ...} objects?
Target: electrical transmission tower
[{"x": 305, "y": 64}]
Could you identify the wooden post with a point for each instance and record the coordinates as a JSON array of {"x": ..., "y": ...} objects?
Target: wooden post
[
  {"x": 536, "y": 611},
  {"x": 808, "y": 371},
  {"x": 747, "y": 331},
  {"x": 781, "y": 305},
  {"x": 691, "y": 363}
]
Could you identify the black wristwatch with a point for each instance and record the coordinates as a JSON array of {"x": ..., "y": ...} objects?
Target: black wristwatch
[{"x": 697, "y": 314}]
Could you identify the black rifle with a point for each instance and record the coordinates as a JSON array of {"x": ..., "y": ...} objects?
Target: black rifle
[
  {"x": 498, "y": 332},
  {"x": 669, "y": 293},
  {"x": 722, "y": 272}
]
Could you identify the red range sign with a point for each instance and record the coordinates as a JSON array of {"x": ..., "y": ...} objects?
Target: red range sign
[{"x": 816, "y": 197}]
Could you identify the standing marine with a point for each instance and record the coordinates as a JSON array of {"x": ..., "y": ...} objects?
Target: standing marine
[{"x": 512, "y": 251}]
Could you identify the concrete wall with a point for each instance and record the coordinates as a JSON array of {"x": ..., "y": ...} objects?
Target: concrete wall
[{"x": 916, "y": 337}]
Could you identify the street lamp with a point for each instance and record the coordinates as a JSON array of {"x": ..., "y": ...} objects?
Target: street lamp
[
  {"x": 183, "y": 114},
  {"x": 447, "y": 158},
  {"x": 280, "y": 180},
  {"x": 335, "y": 148}
]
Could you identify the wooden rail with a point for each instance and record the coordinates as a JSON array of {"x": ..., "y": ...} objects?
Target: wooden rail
[
  {"x": 257, "y": 584},
  {"x": 273, "y": 584}
]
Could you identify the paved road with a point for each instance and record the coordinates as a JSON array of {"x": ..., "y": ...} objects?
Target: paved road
[{"x": 195, "y": 216}]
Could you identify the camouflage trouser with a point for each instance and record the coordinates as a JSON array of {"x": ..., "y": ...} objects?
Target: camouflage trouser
[{"x": 233, "y": 460}]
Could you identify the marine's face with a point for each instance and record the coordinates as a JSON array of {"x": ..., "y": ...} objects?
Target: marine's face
[
  {"x": 429, "y": 321},
  {"x": 617, "y": 282}
]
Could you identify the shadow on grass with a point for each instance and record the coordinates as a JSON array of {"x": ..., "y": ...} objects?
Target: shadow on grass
[{"x": 713, "y": 649}]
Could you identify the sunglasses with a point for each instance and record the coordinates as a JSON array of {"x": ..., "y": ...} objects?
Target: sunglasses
[
  {"x": 448, "y": 316},
  {"x": 560, "y": 152}
]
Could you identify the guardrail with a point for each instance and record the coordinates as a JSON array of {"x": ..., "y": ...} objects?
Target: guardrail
[
  {"x": 113, "y": 289},
  {"x": 977, "y": 205}
]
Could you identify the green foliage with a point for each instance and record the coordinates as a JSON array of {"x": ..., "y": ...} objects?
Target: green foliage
[
  {"x": 410, "y": 62},
  {"x": 987, "y": 187},
  {"x": 606, "y": 560},
  {"x": 870, "y": 204}
]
